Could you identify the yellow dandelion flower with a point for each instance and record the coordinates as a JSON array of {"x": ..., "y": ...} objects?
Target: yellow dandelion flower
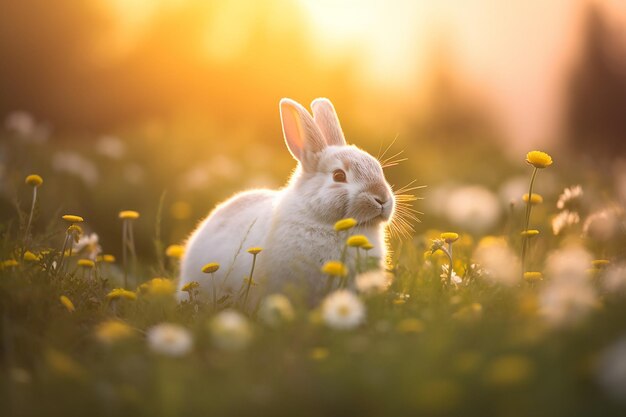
[
  {"x": 368, "y": 246},
  {"x": 530, "y": 233},
  {"x": 117, "y": 293},
  {"x": 470, "y": 312},
  {"x": 128, "y": 214},
  {"x": 72, "y": 218},
  {"x": 249, "y": 281},
  {"x": 64, "y": 365},
  {"x": 534, "y": 200},
  {"x": 175, "y": 251},
  {"x": 410, "y": 325},
  {"x": 449, "y": 237},
  {"x": 159, "y": 286},
  {"x": 106, "y": 258},
  {"x": 319, "y": 353},
  {"x": 34, "y": 180},
  {"x": 86, "y": 263},
  {"x": 210, "y": 268},
  {"x": 509, "y": 370},
  {"x": 539, "y": 159},
  {"x": 345, "y": 224},
  {"x": 112, "y": 331},
  {"x": 67, "y": 303},
  {"x": 75, "y": 229},
  {"x": 357, "y": 241},
  {"x": 533, "y": 276},
  {"x": 9, "y": 263},
  {"x": 255, "y": 250},
  {"x": 600, "y": 263},
  {"x": 335, "y": 269},
  {"x": 190, "y": 286},
  {"x": 31, "y": 257}
]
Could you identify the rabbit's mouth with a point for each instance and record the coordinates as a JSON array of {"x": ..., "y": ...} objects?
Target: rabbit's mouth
[{"x": 376, "y": 220}]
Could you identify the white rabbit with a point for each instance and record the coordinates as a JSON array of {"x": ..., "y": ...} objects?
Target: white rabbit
[{"x": 294, "y": 225}]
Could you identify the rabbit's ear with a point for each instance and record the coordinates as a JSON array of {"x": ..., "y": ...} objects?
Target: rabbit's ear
[
  {"x": 326, "y": 119},
  {"x": 304, "y": 139}
]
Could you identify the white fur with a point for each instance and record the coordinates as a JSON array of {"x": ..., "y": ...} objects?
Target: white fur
[{"x": 294, "y": 225}]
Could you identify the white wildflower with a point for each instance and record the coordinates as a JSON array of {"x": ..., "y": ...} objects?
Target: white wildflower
[
  {"x": 169, "y": 339},
  {"x": 343, "y": 310},
  {"x": 570, "y": 197},
  {"x": 498, "y": 262},
  {"x": 602, "y": 225},
  {"x": 26, "y": 127},
  {"x": 111, "y": 147},
  {"x": 568, "y": 296},
  {"x": 512, "y": 189},
  {"x": 613, "y": 280},
  {"x": 230, "y": 330},
  {"x": 569, "y": 264},
  {"x": 454, "y": 278},
  {"x": 275, "y": 310},
  {"x": 196, "y": 178},
  {"x": 564, "y": 302},
  {"x": 75, "y": 164},
  {"x": 473, "y": 208},
  {"x": 564, "y": 220},
  {"x": 373, "y": 282},
  {"x": 611, "y": 370},
  {"x": 89, "y": 245}
]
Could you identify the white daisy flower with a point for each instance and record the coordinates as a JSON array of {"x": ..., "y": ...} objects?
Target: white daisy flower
[
  {"x": 230, "y": 330},
  {"x": 343, "y": 310},
  {"x": 568, "y": 264},
  {"x": 89, "y": 244},
  {"x": 76, "y": 164},
  {"x": 170, "y": 339},
  {"x": 564, "y": 303},
  {"x": 564, "y": 220},
  {"x": 373, "y": 282},
  {"x": 568, "y": 296},
  {"x": 454, "y": 278},
  {"x": 498, "y": 262},
  {"x": 111, "y": 147},
  {"x": 611, "y": 370},
  {"x": 569, "y": 198},
  {"x": 276, "y": 309},
  {"x": 614, "y": 279},
  {"x": 603, "y": 224},
  {"x": 474, "y": 208}
]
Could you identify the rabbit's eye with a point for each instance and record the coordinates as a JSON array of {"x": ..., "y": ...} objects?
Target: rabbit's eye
[{"x": 339, "y": 175}]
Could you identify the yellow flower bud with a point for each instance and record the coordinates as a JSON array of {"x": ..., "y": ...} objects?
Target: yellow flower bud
[{"x": 34, "y": 180}]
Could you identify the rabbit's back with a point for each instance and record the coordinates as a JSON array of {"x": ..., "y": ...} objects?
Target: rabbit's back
[{"x": 241, "y": 222}]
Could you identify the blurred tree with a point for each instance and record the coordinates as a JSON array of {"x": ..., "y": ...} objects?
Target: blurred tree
[
  {"x": 453, "y": 114},
  {"x": 73, "y": 63},
  {"x": 595, "y": 121}
]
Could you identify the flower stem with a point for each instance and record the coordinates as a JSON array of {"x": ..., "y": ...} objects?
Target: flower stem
[
  {"x": 30, "y": 219},
  {"x": 449, "y": 253},
  {"x": 527, "y": 225},
  {"x": 67, "y": 237},
  {"x": 245, "y": 300},
  {"x": 214, "y": 292},
  {"x": 124, "y": 257}
]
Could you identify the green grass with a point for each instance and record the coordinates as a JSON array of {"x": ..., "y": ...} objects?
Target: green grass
[{"x": 425, "y": 349}]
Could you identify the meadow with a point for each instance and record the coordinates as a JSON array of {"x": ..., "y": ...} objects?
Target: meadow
[{"x": 495, "y": 304}]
